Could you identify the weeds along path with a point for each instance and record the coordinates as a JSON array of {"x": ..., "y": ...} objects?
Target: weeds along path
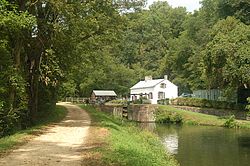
[{"x": 60, "y": 145}]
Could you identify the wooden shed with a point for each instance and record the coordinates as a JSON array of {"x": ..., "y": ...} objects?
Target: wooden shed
[{"x": 100, "y": 96}]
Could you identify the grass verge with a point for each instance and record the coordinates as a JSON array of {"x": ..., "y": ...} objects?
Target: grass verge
[
  {"x": 194, "y": 118},
  {"x": 9, "y": 142},
  {"x": 126, "y": 144}
]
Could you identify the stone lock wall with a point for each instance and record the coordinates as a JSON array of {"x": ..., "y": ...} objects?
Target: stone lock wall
[
  {"x": 142, "y": 113},
  {"x": 139, "y": 113},
  {"x": 116, "y": 110}
]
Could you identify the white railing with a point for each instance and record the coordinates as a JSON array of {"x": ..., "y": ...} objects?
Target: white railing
[{"x": 76, "y": 99}]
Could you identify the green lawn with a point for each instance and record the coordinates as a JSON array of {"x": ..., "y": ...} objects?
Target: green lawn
[
  {"x": 201, "y": 119},
  {"x": 128, "y": 145},
  {"x": 21, "y": 137}
]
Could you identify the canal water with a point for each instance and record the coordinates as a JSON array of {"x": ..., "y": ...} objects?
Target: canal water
[{"x": 206, "y": 146}]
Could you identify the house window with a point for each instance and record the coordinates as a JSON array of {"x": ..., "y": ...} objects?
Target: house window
[
  {"x": 163, "y": 85},
  {"x": 150, "y": 95},
  {"x": 134, "y": 97},
  {"x": 161, "y": 95}
]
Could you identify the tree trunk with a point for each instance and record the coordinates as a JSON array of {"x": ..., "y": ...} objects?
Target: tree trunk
[
  {"x": 33, "y": 87},
  {"x": 16, "y": 53}
]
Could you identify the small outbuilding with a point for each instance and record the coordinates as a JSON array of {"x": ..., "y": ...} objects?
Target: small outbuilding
[
  {"x": 102, "y": 95},
  {"x": 154, "y": 89}
]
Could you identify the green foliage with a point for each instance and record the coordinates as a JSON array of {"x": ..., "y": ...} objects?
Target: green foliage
[
  {"x": 163, "y": 101},
  {"x": 120, "y": 102},
  {"x": 9, "y": 120},
  {"x": 145, "y": 39},
  {"x": 248, "y": 106},
  {"x": 231, "y": 123},
  {"x": 236, "y": 8},
  {"x": 168, "y": 117},
  {"x": 198, "y": 102},
  {"x": 69, "y": 48},
  {"x": 67, "y": 89},
  {"x": 57, "y": 48},
  {"x": 129, "y": 145},
  {"x": 134, "y": 147},
  {"x": 141, "y": 100},
  {"x": 226, "y": 57},
  {"x": 192, "y": 118}
]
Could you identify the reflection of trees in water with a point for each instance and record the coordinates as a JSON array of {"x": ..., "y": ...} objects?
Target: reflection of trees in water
[
  {"x": 169, "y": 139},
  {"x": 208, "y": 146},
  {"x": 163, "y": 130},
  {"x": 244, "y": 149},
  {"x": 244, "y": 141}
]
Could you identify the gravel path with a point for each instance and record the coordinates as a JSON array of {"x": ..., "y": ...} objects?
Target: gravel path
[{"x": 60, "y": 145}]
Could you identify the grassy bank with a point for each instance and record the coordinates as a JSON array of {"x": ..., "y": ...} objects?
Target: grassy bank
[
  {"x": 193, "y": 118},
  {"x": 20, "y": 137},
  {"x": 126, "y": 144}
]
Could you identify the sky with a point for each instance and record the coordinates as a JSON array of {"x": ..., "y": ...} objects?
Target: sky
[{"x": 191, "y": 5}]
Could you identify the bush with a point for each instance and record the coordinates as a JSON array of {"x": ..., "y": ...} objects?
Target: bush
[
  {"x": 248, "y": 106},
  {"x": 168, "y": 117},
  {"x": 163, "y": 101},
  {"x": 142, "y": 101},
  {"x": 231, "y": 123},
  {"x": 122, "y": 102},
  {"x": 9, "y": 120}
]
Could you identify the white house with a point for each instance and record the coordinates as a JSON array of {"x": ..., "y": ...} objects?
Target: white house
[{"x": 154, "y": 89}]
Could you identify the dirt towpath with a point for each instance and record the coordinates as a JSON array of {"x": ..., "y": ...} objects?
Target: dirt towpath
[{"x": 60, "y": 145}]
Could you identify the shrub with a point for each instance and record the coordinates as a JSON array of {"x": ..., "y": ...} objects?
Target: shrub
[
  {"x": 248, "y": 106},
  {"x": 146, "y": 101},
  {"x": 9, "y": 120},
  {"x": 163, "y": 101},
  {"x": 122, "y": 102},
  {"x": 142, "y": 101},
  {"x": 168, "y": 117},
  {"x": 231, "y": 123},
  {"x": 175, "y": 118}
]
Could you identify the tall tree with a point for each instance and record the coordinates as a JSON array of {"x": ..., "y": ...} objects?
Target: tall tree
[{"x": 226, "y": 58}]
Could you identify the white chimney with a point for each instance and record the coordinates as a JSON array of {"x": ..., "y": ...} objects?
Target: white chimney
[
  {"x": 147, "y": 78},
  {"x": 165, "y": 77}
]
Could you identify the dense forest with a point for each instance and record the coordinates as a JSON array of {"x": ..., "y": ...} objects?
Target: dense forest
[{"x": 50, "y": 49}]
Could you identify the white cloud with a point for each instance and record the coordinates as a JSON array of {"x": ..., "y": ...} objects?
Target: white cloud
[{"x": 191, "y": 5}]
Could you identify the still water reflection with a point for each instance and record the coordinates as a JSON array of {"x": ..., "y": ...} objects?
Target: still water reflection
[{"x": 206, "y": 146}]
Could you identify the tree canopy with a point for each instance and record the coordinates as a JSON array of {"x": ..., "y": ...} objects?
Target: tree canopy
[{"x": 50, "y": 49}]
